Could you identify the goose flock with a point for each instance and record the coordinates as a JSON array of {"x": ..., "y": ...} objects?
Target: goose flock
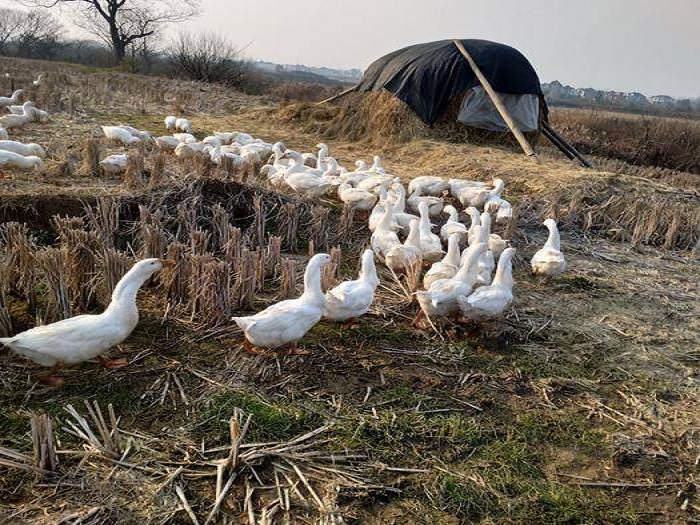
[
  {"x": 13, "y": 153},
  {"x": 467, "y": 267}
]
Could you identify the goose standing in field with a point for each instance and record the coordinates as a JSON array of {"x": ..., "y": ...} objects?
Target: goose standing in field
[
  {"x": 402, "y": 257},
  {"x": 15, "y": 121},
  {"x": 384, "y": 237},
  {"x": 430, "y": 244},
  {"x": 115, "y": 163},
  {"x": 458, "y": 184},
  {"x": 85, "y": 337},
  {"x": 494, "y": 204},
  {"x": 429, "y": 184},
  {"x": 9, "y": 159},
  {"x": 549, "y": 260},
  {"x": 441, "y": 299},
  {"x": 435, "y": 204},
  {"x": 187, "y": 138},
  {"x": 352, "y": 299},
  {"x": 473, "y": 196},
  {"x": 38, "y": 81},
  {"x": 8, "y": 101},
  {"x": 143, "y": 135},
  {"x": 184, "y": 125},
  {"x": 447, "y": 267},
  {"x": 453, "y": 224},
  {"x": 356, "y": 198},
  {"x": 487, "y": 262},
  {"x": 401, "y": 218},
  {"x": 322, "y": 156},
  {"x": 119, "y": 135},
  {"x": 167, "y": 142},
  {"x": 25, "y": 150},
  {"x": 170, "y": 121},
  {"x": 30, "y": 110},
  {"x": 488, "y": 302},
  {"x": 377, "y": 165},
  {"x": 288, "y": 321}
]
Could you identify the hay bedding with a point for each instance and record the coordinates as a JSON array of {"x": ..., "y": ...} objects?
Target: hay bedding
[{"x": 382, "y": 119}]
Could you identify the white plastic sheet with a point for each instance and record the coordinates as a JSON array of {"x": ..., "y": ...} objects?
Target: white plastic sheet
[{"x": 478, "y": 111}]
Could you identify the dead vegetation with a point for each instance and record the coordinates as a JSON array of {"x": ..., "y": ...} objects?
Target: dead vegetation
[{"x": 579, "y": 407}]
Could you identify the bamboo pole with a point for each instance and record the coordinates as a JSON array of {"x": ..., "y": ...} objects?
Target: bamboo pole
[
  {"x": 524, "y": 144},
  {"x": 336, "y": 97}
]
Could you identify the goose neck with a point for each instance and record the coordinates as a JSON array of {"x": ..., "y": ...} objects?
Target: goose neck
[
  {"x": 553, "y": 241},
  {"x": 504, "y": 271},
  {"x": 312, "y": 283}
]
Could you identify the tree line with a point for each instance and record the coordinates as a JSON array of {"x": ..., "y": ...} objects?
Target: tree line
[{"x": 128, "y": 35}]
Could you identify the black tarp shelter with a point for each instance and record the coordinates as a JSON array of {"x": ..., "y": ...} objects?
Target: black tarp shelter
[{"x": 428, "y": 76}]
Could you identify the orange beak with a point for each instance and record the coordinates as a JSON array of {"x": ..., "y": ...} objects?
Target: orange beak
[{"x": 167, "y": 263}]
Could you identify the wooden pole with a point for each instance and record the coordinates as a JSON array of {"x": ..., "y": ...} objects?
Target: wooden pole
[
  {"x": 564, "y": 146},
  {"x": 336, "y": 97},
  {"x": 524, "y": 144}
]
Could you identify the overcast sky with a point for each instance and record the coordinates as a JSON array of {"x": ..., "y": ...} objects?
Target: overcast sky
[{"x": 652, "y": 46}]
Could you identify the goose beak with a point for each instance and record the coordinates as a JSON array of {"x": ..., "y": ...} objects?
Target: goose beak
[{"x": 167, "y": 263}]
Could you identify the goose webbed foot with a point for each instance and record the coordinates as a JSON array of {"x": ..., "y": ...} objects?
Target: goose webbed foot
[
  {"x": 113, "y": 364},
  {"x": 295, "y": 350}
]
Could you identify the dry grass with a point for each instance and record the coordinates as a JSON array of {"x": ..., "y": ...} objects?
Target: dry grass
[
  {"x": 641, "y": 140},
  {"x": 578, "y": 407}
]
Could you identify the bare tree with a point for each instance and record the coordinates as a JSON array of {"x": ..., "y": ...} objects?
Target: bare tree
[
  {"x": 207, "y": 57},
  {"x": 10, "y": 27},
  {"x": 39, "y": 35},
  {"x": 120, "y": 23}
]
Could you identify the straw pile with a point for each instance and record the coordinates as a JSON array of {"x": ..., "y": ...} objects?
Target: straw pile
[{"x": 381, "y": 118}]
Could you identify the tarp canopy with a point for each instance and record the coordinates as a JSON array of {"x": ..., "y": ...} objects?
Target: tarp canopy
[{"x": 428, "y": 76}]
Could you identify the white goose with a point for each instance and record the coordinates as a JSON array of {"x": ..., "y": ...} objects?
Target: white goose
[
  {"x": 23, "y": 149},
  {"x": 401, "y": 218},
  {"x": 184, "y": 125},
  {"x": 458, "y": 184},
  {"x": 15, "y": 121},
  {"x": 430, "y": 244},
  {"x": 494, "y": 200},
  {"x": 440, "y": 299},
  {"x": 473, "y": 196},
  {"x": 453, "y": 224},
  {"x": 9, "y": 159},
  {"x": 8, "y": 101},
  {"x": 352, "y": 299},
  {"x": 377, "y": 165},
  {"x": 288, "y": 321},
  {"x": 115, "y": 163},
  {"x": 119, "y": 135},
  {"x": 167, "y": 142},
  {"x": 38, "y": 81},
  {"x": 170, "y": 122},
  {"x": 85, "y": 337},
  {"x": 356, "y": 198},
  {"x": 487, "y": 262},
  {"x": 435, "y": 204},
  {"x": 549, "y": 260},
  {"x": 429, "y": 184},
  {"x": 401, "y": 257},
  {"x": 488, "y": 302},
  {"x": 384, "y": 238},
  {"x": 143, "y": 135},
  {"x": 448, "y": 266}
]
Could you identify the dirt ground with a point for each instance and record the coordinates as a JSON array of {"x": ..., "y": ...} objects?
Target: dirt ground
[{"x": 579, "y": 406}]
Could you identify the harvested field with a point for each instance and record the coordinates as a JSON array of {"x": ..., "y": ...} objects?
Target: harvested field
[{"x": 579, "y": 406}]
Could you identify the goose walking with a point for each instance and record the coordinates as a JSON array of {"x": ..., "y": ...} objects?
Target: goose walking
[
  {"x": 9, "y": 159},
  {"x": 430, "y": 244},
  {"x": 448, "y": 266},
  {"x": 402, "y": 257},
  {"x": 25, "y": 150},
  {"x": 352, "y": 299},
  {"x": 453, "y": 224},
  {"x": 85, "y": 337},
  {"x": 288, "y": 321},
  {"x": 549, "y": 261},
  {"x": 13, "y": 99},
  {"x": 441, "y": 299},
  {"x": 488, "y": 302}
]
